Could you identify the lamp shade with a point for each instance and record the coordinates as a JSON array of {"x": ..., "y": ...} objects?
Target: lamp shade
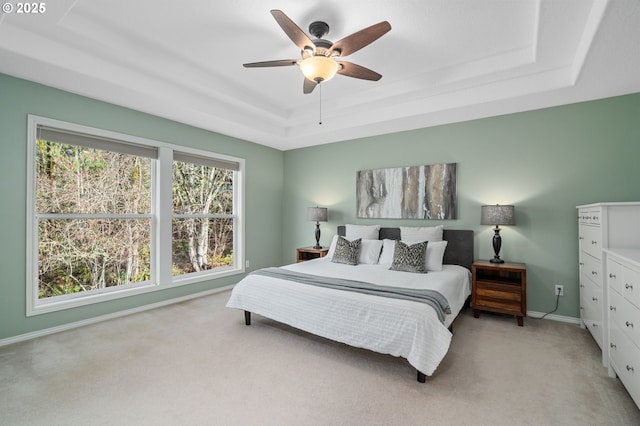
[
  {"x": 317, "y": 214},
  {"x": 319, "y": 68},
  {"x": 498, "y": 215}
]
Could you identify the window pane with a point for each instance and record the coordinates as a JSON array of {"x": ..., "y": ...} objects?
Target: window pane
[
  {"x": 76, "y": 179},
  {"x": 77, "y": 256},
  {"x": 200, "y": 244},
  {"x": 200, "y": 189}
]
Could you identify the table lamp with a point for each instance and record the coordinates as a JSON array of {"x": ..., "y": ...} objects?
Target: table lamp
[
  {"x": 497, "y": 215},
  {"x": 317, "y": 214}
]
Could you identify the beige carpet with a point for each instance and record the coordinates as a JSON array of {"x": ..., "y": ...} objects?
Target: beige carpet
[{"x": 196, "y": 363}]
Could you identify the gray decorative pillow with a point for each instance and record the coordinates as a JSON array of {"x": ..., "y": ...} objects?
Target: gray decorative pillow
[
  {"x": 409, "y": 258},
  {"x": 347, "y": 251}
]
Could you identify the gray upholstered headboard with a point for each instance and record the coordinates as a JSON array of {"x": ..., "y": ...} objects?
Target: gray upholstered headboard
[{"x": 459, "y": 247}]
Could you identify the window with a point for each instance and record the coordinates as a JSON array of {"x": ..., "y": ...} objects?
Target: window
[
  {"x": 114, "y": 215},
  {"x": 203, "y": 225}
]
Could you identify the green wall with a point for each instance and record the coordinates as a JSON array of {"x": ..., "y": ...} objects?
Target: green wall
[
  {"x": 544, "y": 162},
  {"x": 263, "y": 196}
]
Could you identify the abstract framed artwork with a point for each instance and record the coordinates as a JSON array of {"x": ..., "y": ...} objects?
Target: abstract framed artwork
[{"x": 413, "y": 192}]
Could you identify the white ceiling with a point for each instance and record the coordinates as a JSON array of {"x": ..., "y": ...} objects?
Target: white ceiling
[{"x": 443, "y": 61}]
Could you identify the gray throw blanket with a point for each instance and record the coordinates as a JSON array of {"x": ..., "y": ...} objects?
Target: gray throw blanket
[{"x": 431, "y": 297}]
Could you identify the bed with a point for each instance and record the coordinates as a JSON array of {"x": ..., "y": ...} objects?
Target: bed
[{"x": 400, "y": 325}]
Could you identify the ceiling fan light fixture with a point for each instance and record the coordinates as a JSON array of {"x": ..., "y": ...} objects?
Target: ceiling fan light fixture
[{"x": 319, "y": 68}]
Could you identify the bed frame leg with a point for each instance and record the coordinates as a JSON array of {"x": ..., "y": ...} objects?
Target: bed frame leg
[
  {"x": 247, "y": 318},
  {"x": 421, "y": 377}
]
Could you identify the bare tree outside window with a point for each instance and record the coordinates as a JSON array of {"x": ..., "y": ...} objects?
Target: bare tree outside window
[
  {"x": 89, "y": 237},
  {"x": 203, "y": 217}
]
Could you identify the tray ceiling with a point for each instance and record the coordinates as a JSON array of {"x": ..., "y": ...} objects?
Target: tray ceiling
[{"x": 442, "y": 61}]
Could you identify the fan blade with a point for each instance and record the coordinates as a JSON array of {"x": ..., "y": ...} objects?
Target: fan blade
[
  {"x": 357, "y": 41},
  {"x": 308, "y": 86},
  {"x": 294, "y": 32},
  {"x": 358, "y": 71},
  {"x": 278, "y": 63}
]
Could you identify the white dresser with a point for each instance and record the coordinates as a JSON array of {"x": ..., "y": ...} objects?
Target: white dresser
[
  {"x": 623, "y": 292},
  {"x": 600, "y": 226}
]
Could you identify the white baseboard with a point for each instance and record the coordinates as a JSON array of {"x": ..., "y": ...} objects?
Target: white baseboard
[
  {"x": 76, "y": 324},
  {"x": 570, "y": 320}
]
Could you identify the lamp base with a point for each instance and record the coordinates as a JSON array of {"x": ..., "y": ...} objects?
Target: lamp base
[
  {"x": 497, "y": 243},
  {"x": 317, "y": 247}
]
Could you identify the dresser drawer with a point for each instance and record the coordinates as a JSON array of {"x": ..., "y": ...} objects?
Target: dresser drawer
[
  {"x": 625, "y": 316},
  {"x": 615, "y": 275},
  {"x": 590, "y": 216},
  {"x": 591, "y": 301},
  {"x": 624, "y": 357},
  {"x": 630, "y": 288},
  {"x": 591, "y": 268},
  {"x": 590, "y": 240}
]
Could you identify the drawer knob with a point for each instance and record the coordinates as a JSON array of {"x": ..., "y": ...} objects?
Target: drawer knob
[
  {"x": 612, "y": 308},
  {"x": 612, "y": 275},
  {"x": 594, "y": 325},
  {"x": 595, "y": 299},
  {"x": 629, "y": 368},
  {"x": 629, "y": 324},
  {"x": 628, "y": 286},
  {"x": 594, "y": 242},
  {"x": 581, "y": 238},
  {"x": 612, "y": 345}
]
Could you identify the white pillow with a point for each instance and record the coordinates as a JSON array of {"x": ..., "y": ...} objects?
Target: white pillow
[
  {"x": 370, "y": 251},
  {"x": 332, "y": 247},
  {"x": 416, "y": 234},
  {"x": 432, "y": 261},
  {"x": 366, "y": 232},
  {"x": 435, "y": 253},
  {"x": 388, "y": 247}
]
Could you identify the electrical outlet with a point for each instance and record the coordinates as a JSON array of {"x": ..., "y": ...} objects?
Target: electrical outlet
[
  {"x": 559, "y": 288},
  {"x": 246, "y": 264}
]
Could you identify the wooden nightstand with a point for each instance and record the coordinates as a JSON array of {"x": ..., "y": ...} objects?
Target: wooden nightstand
[
  {"x": 308, "y": 253},
  {"x": 499, "y": 287}
]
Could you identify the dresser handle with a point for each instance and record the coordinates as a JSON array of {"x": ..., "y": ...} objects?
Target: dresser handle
[
  {"x": 594, "y": 325},
  {"x": 594, "y": 273},
  {"x": 594, "y": 242},
  {"x": 628, "y": 286},
  {"x": 612, "y": 345},
  {"x": 629, "y": 324},
  {"x": 612, "y": 308},
  {"x": 581, "y": 285},
  {"x": 612, "y": 275},
  {"x": 581, "y": 238},
  {"x": 595, "y": 299},
  {"x": 581, "y": 263},
  {"x": 629, "y": 368}
]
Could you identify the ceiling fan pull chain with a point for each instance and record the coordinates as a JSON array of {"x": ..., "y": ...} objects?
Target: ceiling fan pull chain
[{"x": 320, "y": 122}]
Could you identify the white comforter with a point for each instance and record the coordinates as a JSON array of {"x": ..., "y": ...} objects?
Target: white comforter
[{"x": 402, "y": 328}]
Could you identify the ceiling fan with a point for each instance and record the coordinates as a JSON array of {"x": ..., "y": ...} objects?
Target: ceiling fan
[{"x": 321, "y": 58}]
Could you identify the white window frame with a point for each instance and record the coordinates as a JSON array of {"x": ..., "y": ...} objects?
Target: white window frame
[{"x": 161, "y": 221}]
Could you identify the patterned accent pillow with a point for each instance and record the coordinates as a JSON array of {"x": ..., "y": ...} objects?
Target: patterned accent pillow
[
  {"x": 347, "y": 252},
  {"x": 409, "y": 258}
]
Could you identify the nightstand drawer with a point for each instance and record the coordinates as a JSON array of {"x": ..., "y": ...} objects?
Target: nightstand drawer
[
  {"x": 499, "y": 305},
  {"x": 498, "y": 291}
]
